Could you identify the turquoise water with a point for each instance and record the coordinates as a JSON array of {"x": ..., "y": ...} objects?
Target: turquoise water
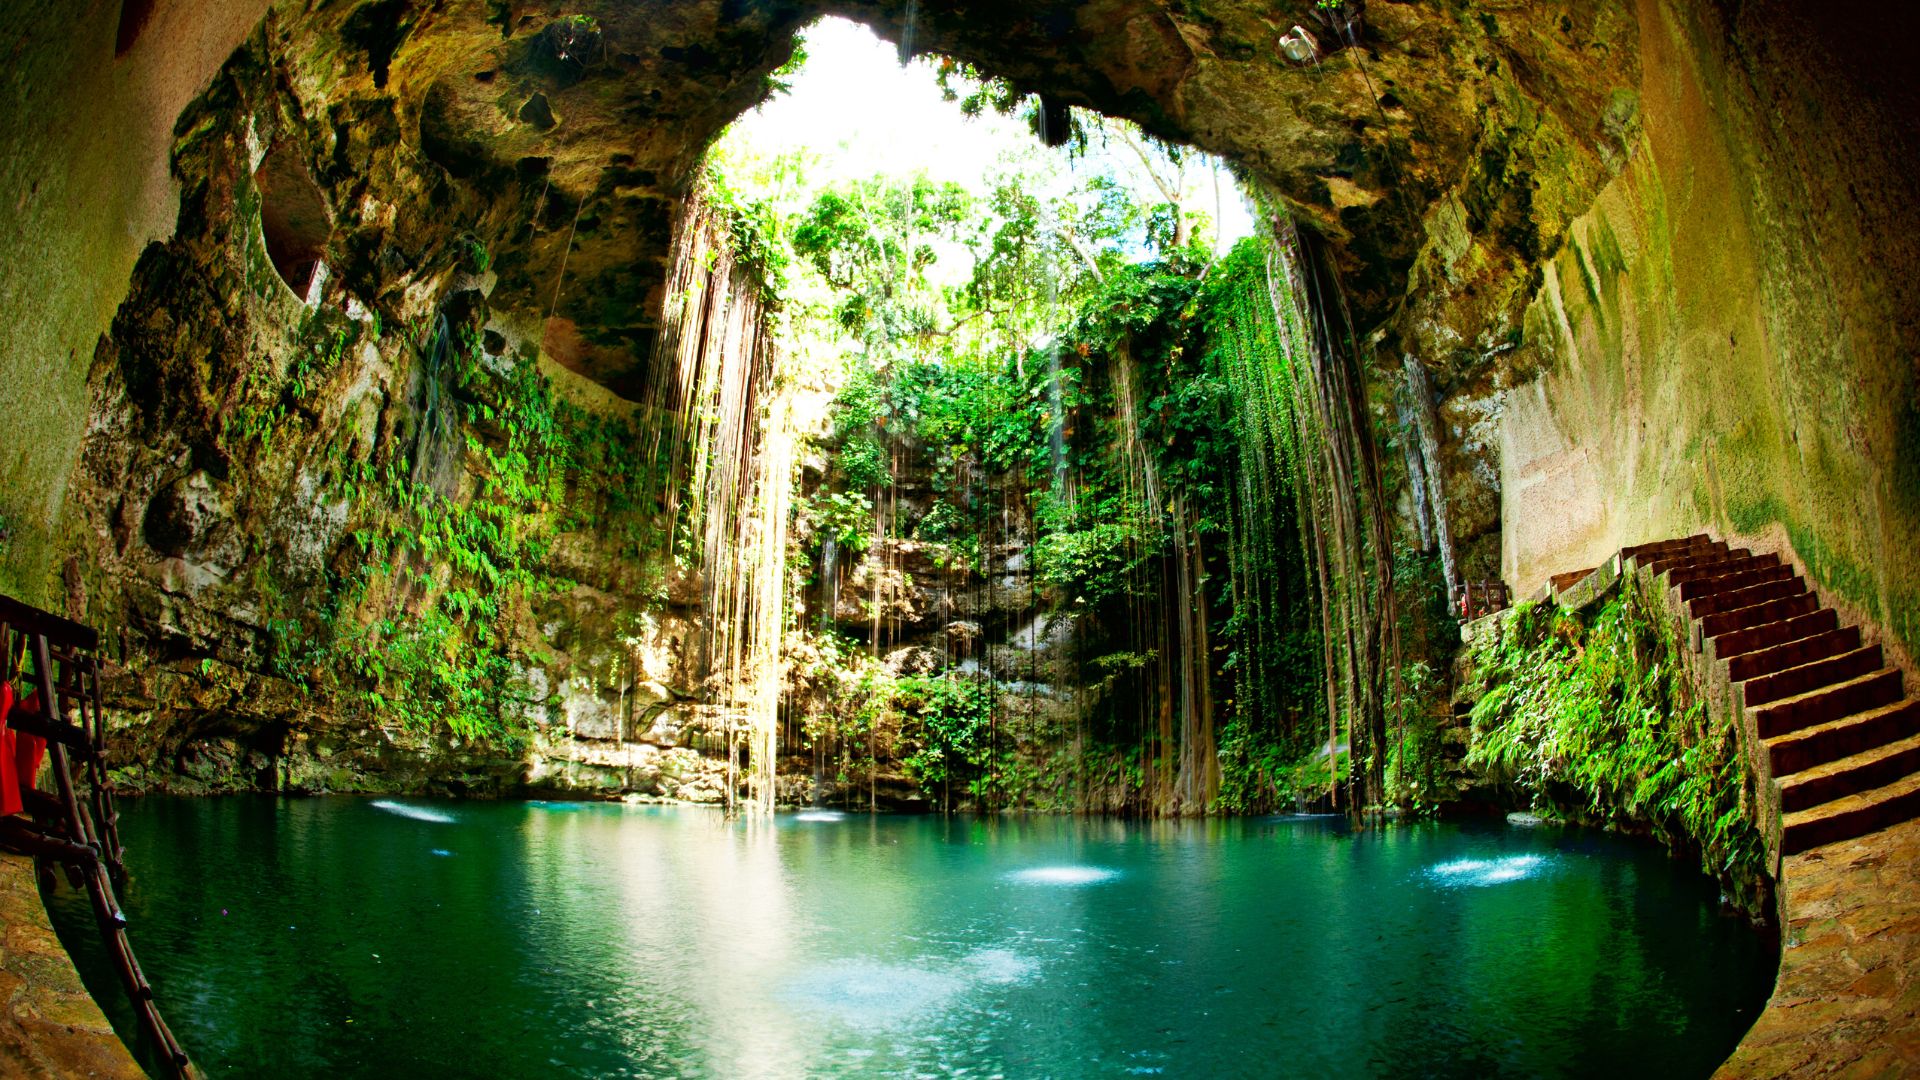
[{"x": 358, "y": 937}]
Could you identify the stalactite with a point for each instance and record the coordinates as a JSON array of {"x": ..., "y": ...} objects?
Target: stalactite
[
  {"x": 1416, "y": 471},
  {"x": 1427, "y": 482}
]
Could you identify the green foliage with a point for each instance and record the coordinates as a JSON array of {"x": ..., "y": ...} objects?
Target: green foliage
[
  {"x": 1092, "y": 565},
  {"x": 473, "y": 255},
  {"x": 779, "y": 80},
  {"x": 873, "y": 241},
  {"x": 862, "y": 462},
  {"x": 1597, "y": 718},
  {"x": 846, "y": 517},
  {"x": 753, "y": 226},
  {"x": 948, "y": 720}
]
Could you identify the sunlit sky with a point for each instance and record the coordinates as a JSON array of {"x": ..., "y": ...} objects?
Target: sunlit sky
[{"x": 861, "y": 114}]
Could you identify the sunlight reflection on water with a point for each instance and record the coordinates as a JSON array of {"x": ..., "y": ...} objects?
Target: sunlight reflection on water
[
  {"x": 417, "y": 813},
  {"x": 876, "y": 994},
  {"x": 1063, "y": 875},
  {"x": 1486, "y": 871}
]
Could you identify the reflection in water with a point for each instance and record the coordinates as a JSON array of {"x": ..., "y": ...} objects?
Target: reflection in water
[
  {"x": 597, "y": 940},
  {"x": 870, "y": 994}
]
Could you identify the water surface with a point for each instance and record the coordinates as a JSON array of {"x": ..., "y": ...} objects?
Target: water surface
[{"x": 357, "y": 937}]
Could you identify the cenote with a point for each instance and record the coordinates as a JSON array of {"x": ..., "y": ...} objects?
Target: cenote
[
  {"x": 792, "y": 538},
  {"x": 356, "y": 937}
]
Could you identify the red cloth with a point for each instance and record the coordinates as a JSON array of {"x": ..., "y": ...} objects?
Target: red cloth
[
  {"x": 9, "y": 776},
  {"x": 27, "y": 750}
]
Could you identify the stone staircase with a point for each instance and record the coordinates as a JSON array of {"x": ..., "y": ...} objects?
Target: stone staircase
[{"x": 1829, "y": 723}]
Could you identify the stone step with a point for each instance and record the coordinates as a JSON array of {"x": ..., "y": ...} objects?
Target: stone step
[
  {"x": 1680, "y": 560},
  {"x": 1752, "y": 571},
  {"x": 1793, "y": 653},
  {"x": 1731, "y": 599},
  {"x": 1785, "y": 607},
  {"x": 1855, "y": 815},
  {"x": 1767, "y": 635},
  {"x": 1850, "y": 775},
  {"x": 1664, "y": 545},
  {"x": 1811, "y": 676},
  {"x": 1828, "y": 703},
  {"x": 1736, "y": 563},
  {"x": 1808, "y": 747},
  {"x": 1651, "y": 552},
  {"x": 1560, "y": 583}
]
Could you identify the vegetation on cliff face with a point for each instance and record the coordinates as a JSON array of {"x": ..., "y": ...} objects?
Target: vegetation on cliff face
[
  {"x": 1593, "y": 718},
  {"x": 449, "y": 566}
]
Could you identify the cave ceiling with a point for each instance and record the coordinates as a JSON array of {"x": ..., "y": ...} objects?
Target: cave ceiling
[{"x": 1441, "y": 152}]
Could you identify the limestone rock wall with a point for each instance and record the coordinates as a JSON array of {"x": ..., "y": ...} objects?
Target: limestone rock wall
[{"x": 1728, "y": 339}]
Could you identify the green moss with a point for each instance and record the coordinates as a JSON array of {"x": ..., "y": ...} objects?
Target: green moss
[
  {"x": 1607, "y": 257},
  {"x": 1828, "y": 568},
  {"x": 1753, "y": 515},
  {"x": 1903, "y": 620},
  {"x": 1834, "y": 571},
  {"x": 1587, "y": 277}
]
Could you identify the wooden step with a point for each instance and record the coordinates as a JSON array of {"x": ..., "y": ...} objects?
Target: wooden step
[
  {"x": 1777, "y": 610},
  {"x": 1811, "y": 676},
  {"x": 1732, "y": 599},
  {"x": 1828, "y": 703},
  {"x": 1793, "y": 653},
  {"x": 1855, "y": 815},
  {"x": 1850, "y": 775},
  {"x": 1767, "y": 635},
  {"x": 1849, "y": 735},
  {"x": 1737, "y": 574}
]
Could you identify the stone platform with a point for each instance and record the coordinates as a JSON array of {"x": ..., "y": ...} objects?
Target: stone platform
[
  {"x": 1847, "y": 1001},
  {"x": 49, "y": 1026}
]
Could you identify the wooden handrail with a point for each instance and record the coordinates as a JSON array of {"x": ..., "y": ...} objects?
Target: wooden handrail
[
  {"x": 1476, "y": 599},
  {"x": 60, "y": 633},
  {"x": 80, "y": 832}
]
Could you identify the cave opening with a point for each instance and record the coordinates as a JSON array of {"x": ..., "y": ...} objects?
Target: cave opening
[{"x": 295, "y": 223}]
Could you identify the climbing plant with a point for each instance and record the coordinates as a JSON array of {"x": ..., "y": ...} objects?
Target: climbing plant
[{"x": 1593, "y": 718}]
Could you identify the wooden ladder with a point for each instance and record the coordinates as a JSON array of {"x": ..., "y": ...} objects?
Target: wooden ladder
[{"x": 75, "y": 828}]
